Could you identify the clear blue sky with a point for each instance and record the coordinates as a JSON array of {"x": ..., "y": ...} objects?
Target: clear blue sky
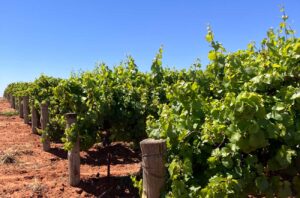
[{"x": 56, "y": 37}]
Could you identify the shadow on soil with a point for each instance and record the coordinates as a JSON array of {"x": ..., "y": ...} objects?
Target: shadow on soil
[
  {"x": 59, "y": 152},
  {"x": 109, "y": 187},
  {"x": 120, "y": 154}
]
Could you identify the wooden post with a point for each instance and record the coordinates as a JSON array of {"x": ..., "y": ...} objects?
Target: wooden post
[
  {"x": 21, "y": 107},
  {"x": 10, "y": 99},
  {"x": 73, "y": 154},
  {"x": 44, "y": 122},
  {"x": 154, "y": 170},
  {"x": 26, "y": 109},
  {"x": 34, "y": 119},
  {"x": 13, "y": 102}
]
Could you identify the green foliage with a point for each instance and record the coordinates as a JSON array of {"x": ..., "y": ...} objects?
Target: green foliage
[
  {"x": 233, "y": 130},
  {"x": 137, "y": 183},
  {"x": 116, "y": 100}
]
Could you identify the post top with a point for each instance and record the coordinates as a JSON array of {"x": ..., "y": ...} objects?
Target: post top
[
  {"x": 44, "y": 105},
  {"x": 152, "y": 141}
]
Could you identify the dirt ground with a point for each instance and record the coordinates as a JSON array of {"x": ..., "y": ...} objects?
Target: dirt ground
[{"x": 36, "y": 173}]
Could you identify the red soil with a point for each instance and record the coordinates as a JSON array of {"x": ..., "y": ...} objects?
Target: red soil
[{"x": 45, "y": 174}]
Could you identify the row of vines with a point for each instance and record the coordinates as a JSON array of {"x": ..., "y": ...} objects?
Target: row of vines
[{"x": 232, "y": 129}]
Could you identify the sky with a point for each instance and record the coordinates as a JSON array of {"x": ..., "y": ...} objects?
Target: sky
[{"x": 57, "y": 37}]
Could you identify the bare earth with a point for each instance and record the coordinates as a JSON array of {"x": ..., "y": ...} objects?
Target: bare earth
[{"x": 45, "y": 174}]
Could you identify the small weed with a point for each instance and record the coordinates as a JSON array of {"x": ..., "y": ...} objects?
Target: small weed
[
  {"x": 36, "y": 186},
  {"x": 8, "y": 157}
]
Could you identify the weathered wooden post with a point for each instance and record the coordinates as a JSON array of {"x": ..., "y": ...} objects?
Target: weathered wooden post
[
  {"x": 73, "y": 154},
  {"x": 26, "y": 109},
  {"x": 10, "y": 99},
  {"x": 21, "y": 107},
  {"x": 13, "y": 102},
  {"x": 44, "y": 122},
  {"x": 34, "y": 119},
  {"x": 154, "y": 170}
]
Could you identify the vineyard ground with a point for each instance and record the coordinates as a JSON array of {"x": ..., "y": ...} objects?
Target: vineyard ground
[{"x": 36, "y": 173}]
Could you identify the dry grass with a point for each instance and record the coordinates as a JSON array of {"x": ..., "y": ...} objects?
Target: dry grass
[
  {"x": 9, "y": 157},
  {"x": 36, "y": 186}
]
